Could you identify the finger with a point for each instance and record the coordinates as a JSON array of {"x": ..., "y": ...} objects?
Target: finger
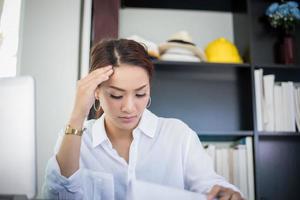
[
  {"x": 226, "y": 193},
  {"x": 95, "y": 80},
  {"x": 94, "y": 74},
  {"x": 91, "y": 85},
  {"x": 213, "y": 192},
  {"x": 101, "y": 70},
  {"x": 98, "y": 72},
  {"x": 236, "y": 196},
  {"x": 226, "y": 196},
  {"x": 101, "y": 78}
]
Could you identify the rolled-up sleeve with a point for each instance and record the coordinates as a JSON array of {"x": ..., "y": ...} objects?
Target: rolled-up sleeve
[
  {"x": 199, "y": 171},
  {"x": 59, "y": 187},
  {"x": 83, "y": 184}
]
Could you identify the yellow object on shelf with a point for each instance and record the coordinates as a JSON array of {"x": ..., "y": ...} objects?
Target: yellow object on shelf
[{"x": 222, "y": 51}]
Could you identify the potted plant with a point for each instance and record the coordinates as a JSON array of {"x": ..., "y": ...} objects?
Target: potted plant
[{"x": 284, "y": 16}]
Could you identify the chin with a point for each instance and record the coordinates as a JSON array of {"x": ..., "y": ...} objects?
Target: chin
[
  {"x": 128, "y": 124},
  {"x": 128, "y": 128}
]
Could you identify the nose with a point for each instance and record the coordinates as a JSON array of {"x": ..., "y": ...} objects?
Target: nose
[{"x": 128, "y": 105}]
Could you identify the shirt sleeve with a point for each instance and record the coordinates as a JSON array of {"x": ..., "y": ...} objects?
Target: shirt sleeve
[
  {"x": 83, "y": 184},
  {"x": 199, "y": 170},
  {"x": 57, "y": 186}
]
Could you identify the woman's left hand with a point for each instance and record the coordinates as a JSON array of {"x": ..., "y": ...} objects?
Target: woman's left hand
[{"x": 223, "y": 193}]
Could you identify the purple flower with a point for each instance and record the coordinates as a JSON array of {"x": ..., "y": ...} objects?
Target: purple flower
[{"x": 272, "y": 8}]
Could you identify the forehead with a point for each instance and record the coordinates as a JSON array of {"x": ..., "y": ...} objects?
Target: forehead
[{"x": 128, "y": 77}]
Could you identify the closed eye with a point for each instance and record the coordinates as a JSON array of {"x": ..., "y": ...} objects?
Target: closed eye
[
  {"x": 140, "y": 95},
  {"x": 115, "y": 97},
  {"x": 120, "y": 97}
]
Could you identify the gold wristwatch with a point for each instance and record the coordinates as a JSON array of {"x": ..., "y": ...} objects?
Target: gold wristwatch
[{"x": 72, "y": 131}]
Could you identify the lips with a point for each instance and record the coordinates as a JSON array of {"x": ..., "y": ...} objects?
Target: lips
[{"x": 128, "y": 119}]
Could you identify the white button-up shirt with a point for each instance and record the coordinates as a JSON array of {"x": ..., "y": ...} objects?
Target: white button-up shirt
[{"x": 164, "y": 151}]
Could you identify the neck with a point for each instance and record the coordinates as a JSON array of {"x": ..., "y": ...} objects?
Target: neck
[{"x": 116, "y": 134}]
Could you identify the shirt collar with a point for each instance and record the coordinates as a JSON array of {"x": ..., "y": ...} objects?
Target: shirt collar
[{"x": 147, "y": 125}]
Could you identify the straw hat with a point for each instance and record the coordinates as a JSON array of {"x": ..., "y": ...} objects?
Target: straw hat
[
  {"x": 152, "y": 48},
  {"x": 182, "y": 39}
]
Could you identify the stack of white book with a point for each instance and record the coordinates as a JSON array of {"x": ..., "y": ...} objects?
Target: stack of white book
[
  {"x": 235, "y": 163},
  {"x": 277, "y": 103}
]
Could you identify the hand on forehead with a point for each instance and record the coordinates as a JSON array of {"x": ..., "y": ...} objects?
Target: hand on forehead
[{"x": 127, "y": 77}]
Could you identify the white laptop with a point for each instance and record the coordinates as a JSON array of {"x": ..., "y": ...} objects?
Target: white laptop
[{"x": 17, "y": 137}]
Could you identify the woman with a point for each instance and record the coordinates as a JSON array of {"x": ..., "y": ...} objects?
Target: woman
[{"x": 127, "y": 142}]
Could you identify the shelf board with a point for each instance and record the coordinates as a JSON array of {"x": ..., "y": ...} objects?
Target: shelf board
[
  {"x": 214, "y": 5},
  {"x": 223, "y": 135},
  {"x": 183, "y": 64},
  {"x": 279, "y": 134},
  {"x": 278, "y": 66}
]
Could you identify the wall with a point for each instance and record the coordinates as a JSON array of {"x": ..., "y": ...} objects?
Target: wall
[
  {"x": 158, "y": 24},
  {"x": 1, "y": 7},
  {"x": 49, "y": 52}
]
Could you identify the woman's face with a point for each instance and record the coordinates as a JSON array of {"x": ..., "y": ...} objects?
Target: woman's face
[{"x": 124, "y": 96}]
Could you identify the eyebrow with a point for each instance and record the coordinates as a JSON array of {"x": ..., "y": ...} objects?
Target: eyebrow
[{"x": 120, "y": 89}]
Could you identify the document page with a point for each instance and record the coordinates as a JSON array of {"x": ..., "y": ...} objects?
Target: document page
[{"x": 142, "y": 190}]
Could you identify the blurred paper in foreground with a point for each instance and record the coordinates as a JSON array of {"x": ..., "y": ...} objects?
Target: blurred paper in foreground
[{"x": 148, "y": 191}]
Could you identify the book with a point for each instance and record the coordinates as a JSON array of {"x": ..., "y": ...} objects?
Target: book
[
  {"x": 250, "y": 168},
  {"x": 225, "y": 163},
  {"x": 258, "y": 74},
  {"x": 291, "y": 107},
  {"x": 278, "y": 107},
  {"x": 219, "y": 162},
  {"x": 297, "y": 106},
  {"x": 234, "y": 161},
  {"x": 242, "y": 166},
  {"x": 268, "y": 84}
]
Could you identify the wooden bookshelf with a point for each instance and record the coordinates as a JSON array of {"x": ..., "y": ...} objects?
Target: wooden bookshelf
[{"x": 218, "y": 100}]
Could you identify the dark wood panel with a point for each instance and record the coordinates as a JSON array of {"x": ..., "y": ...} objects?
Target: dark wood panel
[
  {"x": 278, "y": 165},
  {"x": 105, "y": 19},
  {"x": 283, "y": 74},
  {"x": 241, "y": 31},
  {"x": 207, "y": 99}
]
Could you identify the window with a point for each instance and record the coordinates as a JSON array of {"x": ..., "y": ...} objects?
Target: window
[{"x": 9, "y": 36}]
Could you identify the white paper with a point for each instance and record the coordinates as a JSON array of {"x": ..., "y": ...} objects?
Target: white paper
[{"x": 141, "y": 190}]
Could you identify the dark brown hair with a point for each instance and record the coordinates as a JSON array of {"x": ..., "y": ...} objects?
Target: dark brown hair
[{"x": 116, "y": 52}]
